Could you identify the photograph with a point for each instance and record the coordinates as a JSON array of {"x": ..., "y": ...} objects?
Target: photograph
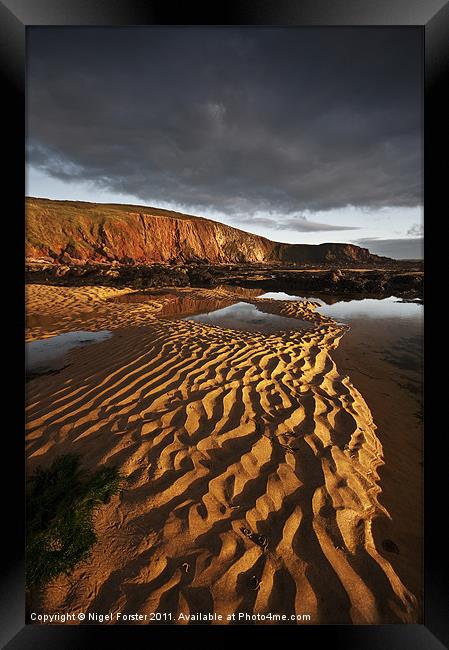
[{"x": 224, "y": 272}]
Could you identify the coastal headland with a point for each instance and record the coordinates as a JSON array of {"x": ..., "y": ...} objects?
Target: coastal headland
[{"x": 253, "y": 463}]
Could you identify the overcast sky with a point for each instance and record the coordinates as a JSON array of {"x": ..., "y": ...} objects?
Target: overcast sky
[{"x": 299, "y": 134}]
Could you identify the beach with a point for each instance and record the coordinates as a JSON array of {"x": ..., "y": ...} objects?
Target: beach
[{"x": 255, "y": 466}]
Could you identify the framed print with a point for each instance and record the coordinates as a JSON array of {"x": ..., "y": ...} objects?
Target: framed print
[{"x": 223, "y": 297}]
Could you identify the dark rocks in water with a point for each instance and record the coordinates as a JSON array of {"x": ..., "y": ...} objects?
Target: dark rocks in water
[
  {"x": 335, "y": 276},
  {"x": 200, "y": 277},
  {"x": 400, "y": 282},
  {"x": 137, "y": 276},
  {"x": 368, "y": 282},
  {"x": 374, "y": 282}
]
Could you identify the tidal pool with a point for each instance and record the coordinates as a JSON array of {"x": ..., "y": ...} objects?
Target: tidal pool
[
  {"x": 48, "y": 355},
  {"x": 228, "y": 313},
  {"x": 347, "y": 310},
  {"x": 247, "y": 317}
]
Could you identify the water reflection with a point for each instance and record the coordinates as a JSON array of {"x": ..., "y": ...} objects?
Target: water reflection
[
  {"x": 247, "y": 317},
  {"x": 346, "y": 309},
  {"x": 187, "y": 305},
  {"x": 175, "y": 304},
  {"x": 234, "y": 314},
  {"x": 385, "y": 308},
  {"x": 46, "y": 355},
  {"x": 279, "y": 295}
]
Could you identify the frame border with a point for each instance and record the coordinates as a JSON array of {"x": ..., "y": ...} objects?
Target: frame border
[{"x": 15, "y": 16}]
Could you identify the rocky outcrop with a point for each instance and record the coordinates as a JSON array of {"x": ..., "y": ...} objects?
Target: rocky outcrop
[
  {"x": 401, "y": 281},
  {"x": 322, "y": 253},
  {"x": 75, "y": 231}
]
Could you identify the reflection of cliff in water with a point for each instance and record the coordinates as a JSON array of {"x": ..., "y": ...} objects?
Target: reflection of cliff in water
[
  {"x": 246, "y": 316},
  {"x": 241, "y": 292},
  {"x": 187, "y": 305},
  {"x": 175, "y": 304}
]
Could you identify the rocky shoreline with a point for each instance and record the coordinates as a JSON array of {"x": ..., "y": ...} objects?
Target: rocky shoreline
[{"x": 404, "y": 280}]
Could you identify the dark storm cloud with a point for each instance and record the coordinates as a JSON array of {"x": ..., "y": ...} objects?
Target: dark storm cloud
[
  {"x": 297, "y": 223},
  {"x": 399, "y": 249},
  {"x": 237, "y": 120}
]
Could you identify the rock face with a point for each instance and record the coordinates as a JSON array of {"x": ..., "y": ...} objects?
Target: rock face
[
  {"x": 68, "y": 231},
  {"x": 319, "y": 253}
]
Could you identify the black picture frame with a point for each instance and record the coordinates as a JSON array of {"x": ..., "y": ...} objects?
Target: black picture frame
[{"x": 15, "y": 16}]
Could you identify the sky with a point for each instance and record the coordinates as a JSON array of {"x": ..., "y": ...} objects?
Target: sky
[{"x": 302, "y": 135}]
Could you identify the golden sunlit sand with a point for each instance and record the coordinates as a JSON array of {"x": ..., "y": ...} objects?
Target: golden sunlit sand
[{"x": 252, "y": 464}]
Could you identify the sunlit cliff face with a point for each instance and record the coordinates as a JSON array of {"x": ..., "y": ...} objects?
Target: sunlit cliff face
[{"x": 95, "y": 232}]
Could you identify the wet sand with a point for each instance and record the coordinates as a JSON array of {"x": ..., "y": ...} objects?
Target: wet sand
[
  {"x": 255, "y": 469},
  {"x": 392, "y": 387}
]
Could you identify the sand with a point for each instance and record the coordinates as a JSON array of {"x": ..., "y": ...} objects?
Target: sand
[
  {"x": 252, "y": 462},
  {"x": 393, "y": 392}
]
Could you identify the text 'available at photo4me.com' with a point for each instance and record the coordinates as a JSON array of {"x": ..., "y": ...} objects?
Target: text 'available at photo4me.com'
[{"x": 167, "y": 617}]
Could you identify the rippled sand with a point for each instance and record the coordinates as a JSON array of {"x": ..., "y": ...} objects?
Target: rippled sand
[{"x": 252, "y": 464}]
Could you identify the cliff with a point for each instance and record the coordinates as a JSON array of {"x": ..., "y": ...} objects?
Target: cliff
[
  {"x": 319, "y": 253},
  {"x": 68, "y": 231}
]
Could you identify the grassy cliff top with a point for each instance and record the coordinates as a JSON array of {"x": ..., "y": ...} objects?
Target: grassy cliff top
[{"x": 73, "y": 210}]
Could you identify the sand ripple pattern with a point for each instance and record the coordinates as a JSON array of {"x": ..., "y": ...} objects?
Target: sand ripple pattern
[{"x": 253, "y": 474}]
